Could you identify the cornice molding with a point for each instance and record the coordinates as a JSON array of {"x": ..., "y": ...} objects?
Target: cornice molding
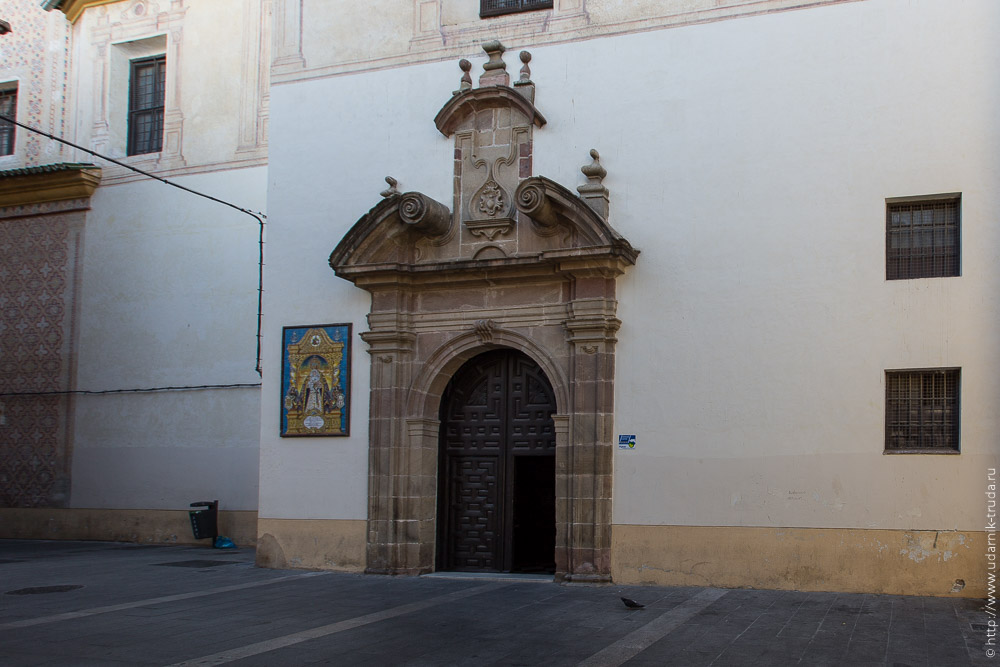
[
  {"x": 48, "y": 186},
  {"x": 74, "y": 8},
  {"x": 449, "y": 42}
]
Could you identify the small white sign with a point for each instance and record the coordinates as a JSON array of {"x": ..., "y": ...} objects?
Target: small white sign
[
  {"x": 313, "y": 422},
  {"x": 626, "y": 442}
]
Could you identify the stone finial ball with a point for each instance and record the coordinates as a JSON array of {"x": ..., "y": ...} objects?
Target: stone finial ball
[
  {"x": 465, "y": 65},
  {"x": 525, "y": 57}
]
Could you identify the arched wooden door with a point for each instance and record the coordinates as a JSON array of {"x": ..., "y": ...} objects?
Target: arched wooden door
[{"x": 496, "y": 477}]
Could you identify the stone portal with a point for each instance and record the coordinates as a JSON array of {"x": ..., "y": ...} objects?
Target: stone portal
[{"x": 518, "y": 262}]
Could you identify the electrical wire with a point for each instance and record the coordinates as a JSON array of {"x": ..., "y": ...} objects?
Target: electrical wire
[
  {"x": 258, "y": 216},
  {"x": 146, "y": 390}
]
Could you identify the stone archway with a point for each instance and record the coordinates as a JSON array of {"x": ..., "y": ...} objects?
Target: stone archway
[{"x": 518, "y": 262}]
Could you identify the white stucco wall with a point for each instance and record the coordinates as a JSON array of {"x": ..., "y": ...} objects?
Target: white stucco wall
[
  {"x": 329, "y": 177},
  {"x": 761, "y": 293},
  {"x": 749, "y": 160},
  {"x": 168, "y": 293},
  {"x": 168, "y": 297}
]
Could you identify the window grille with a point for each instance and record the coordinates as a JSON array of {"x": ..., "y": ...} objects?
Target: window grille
[
  {"x": 921, "y": 409},
  {"x": 498, "y": 7},
  {"x": 147, "y": 82},
  {"x": 8, "y": 108},
  {"x": 922, "y": 238}
]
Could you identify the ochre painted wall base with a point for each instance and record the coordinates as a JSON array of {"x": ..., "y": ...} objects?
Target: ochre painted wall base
[
  {"x": 143, "y": 526},
  {"x": 321, "y": 544},
  {"x": 898, "y": 562}
]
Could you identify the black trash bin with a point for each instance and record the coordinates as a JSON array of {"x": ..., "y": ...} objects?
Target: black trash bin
[{"x": 205, "y": 520}]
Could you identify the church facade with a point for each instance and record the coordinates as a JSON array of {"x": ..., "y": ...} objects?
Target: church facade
[{"x": 693, "y": 293}]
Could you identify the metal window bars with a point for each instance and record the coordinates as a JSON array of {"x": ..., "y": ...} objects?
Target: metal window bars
[
  {"x": 922, "y": 409},
  {"x": 498, "y": 7},
  {"x": 922, "y": 239}
]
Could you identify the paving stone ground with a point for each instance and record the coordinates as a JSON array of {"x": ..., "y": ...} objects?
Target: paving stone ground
[{"x": 181, "y": 605}]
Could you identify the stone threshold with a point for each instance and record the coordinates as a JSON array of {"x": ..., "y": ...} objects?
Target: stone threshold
[{"x": 508, "y": 577}]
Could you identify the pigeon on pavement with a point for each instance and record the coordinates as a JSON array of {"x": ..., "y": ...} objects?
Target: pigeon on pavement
[{"x": 632, "y": 604}]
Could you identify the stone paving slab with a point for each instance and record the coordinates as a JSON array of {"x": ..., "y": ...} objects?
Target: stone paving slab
[{"x": 137, "y": 606}]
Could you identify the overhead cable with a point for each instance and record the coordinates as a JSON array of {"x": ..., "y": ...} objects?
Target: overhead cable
[{"x": 258, "y": 216}]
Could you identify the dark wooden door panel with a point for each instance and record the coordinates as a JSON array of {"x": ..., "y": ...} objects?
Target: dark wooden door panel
[
  {"x": 475, "y": 408},
  {"x": 531, "y": 406},
  {"x": 474, "y": 515},
  {"x": 497, "y": 408}
]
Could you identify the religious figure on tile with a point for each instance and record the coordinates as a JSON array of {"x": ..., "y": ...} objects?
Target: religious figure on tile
[{"x": 314, "y": 382}]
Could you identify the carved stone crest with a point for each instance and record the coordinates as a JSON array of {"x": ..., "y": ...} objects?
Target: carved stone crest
[{"x": 491, "y": 198}]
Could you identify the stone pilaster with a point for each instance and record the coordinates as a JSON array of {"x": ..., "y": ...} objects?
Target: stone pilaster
[
  {"x": 172, "y": 153},
  {"x": 391, "y": 353},
  {"x": 287, "y": 37},
  {"x": 420, "y": 505},
  {"x": 591, "y": 333},
  {"x": 564, "y": 485}
]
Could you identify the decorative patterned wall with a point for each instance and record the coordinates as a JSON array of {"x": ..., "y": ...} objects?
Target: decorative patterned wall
[
  {"x": 39, "y": 245},
  {"x": 35, "y": 54}
]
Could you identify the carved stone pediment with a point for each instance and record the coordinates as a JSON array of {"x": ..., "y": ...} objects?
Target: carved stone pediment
[
  {"x": 552, "y": 208},
  {"x": 501, "y": 215},
  {"x": 389, "y": 232},
  {"x": 555, "y": 227},
  {"x": 468, "y": 103}
]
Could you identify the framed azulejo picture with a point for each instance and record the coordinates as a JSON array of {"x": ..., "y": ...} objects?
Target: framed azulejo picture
[{"x": 316, "y": 380}]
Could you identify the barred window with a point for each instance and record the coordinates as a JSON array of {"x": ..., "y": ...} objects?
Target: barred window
[
  {"x": 922, "y": 237},
  {"x": 921, "y": 410},
  {"x": 147, "y": 81},
  {"x": 8, "y": 108},
  {"x": 498, "y": 7}
]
